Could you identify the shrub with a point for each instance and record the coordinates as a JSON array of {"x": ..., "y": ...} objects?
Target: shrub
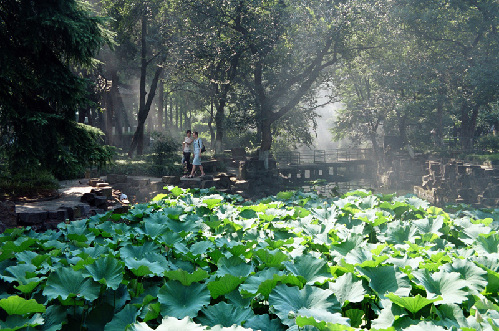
[
  {"x": 30, "y": 184},
  {"x": 489, "y": 143}
]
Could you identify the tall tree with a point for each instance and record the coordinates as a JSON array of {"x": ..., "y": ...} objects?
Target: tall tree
[
  {"x": 40, "y": 46},
  {"x": 463, "y": 34},
  {"x": 291, "y": 46}
]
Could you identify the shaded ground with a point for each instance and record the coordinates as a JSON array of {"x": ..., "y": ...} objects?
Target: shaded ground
[{"x": 70, "y": 193}]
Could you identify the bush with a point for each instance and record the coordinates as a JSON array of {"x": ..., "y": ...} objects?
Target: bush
[
  {"x": 29, "y": 184},
  {"x": 164, "y": 152},
  {"x": 163, "y": 160},
  {"x": 489, "y": 143}
]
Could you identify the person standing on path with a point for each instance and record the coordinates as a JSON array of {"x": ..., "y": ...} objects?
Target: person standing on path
[
  {"x": 196, "y": 162},
  {"x": 186, "y": 150}
]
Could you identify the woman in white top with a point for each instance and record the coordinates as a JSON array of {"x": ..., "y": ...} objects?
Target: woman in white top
[
  {"x": 186, "y": 152},
  {"x": 196, "y": 162}
]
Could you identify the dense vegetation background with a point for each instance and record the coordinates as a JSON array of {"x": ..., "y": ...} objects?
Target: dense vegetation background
[{"x": 244, "y": 73}]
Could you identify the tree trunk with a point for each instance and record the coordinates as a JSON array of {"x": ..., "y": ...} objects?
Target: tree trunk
[
  {"x": 138, "y": 137},
  {"x": 115, "y": 97},
  {"x": 210, "y": 127},
  {"x": 145, "y": 106},
  {"x": 160, "y": 106},
  {"x": 468, "y": 125}
]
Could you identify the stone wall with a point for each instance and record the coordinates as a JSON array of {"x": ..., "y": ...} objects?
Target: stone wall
[
  {"x": 456, "y": 182},
  {"x": 402, "y": 172}
]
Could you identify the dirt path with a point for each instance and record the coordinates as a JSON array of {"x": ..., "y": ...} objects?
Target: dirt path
[{"x": 70, "y": 194}]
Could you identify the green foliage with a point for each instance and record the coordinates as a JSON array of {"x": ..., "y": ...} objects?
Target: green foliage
[
  {"x": 164, "y": 152},
  {"x": 202, "y": 260},
  {"x": 39, "y": 91},
  {"x": 29, "y": 184},
  {"x": 488, "y": 143}
]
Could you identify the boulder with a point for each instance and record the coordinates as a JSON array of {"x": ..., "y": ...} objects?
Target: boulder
[
  {"x": 171, "y": 180},
  {"x": 115, "y": 179},
  {"x": 94, "y": 181},
  {"x": 33, "y": 218},
  {"x": 207, "y": 183},
  {"x": 8, "y": 214}
]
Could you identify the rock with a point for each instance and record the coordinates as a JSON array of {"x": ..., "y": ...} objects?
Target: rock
[
  {"x": 238, "y": 153},
  {"x": 491, "y": 192},
  {"x": 190, "y": 183},
  {"x": 171, "y": 180},
  {"x": 115, "y": 179},
  {"x": 156, "y": 185},
  {"x": 105, "y": 191},
  {"x": 94, "y": 181},
  {"x": 59, "y": 215},
  {"x": 223, "y": 182},
  {"x": 8, "y": 214},
  {"x": 33, "y": 218},
  {"x": 242, "y": 185},
  {"x": 207, "y": 183},
  {"x": 139, "y": 182},
  {"x": 101, "y": 202},
  {"x": 88, "y": 198}
]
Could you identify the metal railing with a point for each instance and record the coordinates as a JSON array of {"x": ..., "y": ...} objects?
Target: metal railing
[{"x": 322, "y": 156}]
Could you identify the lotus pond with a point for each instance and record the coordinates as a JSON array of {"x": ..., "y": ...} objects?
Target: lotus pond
[{"x": 200, "y": 260}]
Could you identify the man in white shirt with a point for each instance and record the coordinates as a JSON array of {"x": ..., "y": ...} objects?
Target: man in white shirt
[{"x": 186, "y": 151}]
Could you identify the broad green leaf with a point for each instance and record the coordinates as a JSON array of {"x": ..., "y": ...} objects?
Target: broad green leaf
[
  {"x": 180, "y": 301},
  {"x": 412, "y": 304},
  {"x": 139, "y": 252},
  {"x": 177, "y": 191},
  {"x": 123, "y": 319},
  {"x": 54, "y": 318},
  {"x": 65, "y": 282},
  {"x": 311, "y": 268},
  {"x": 356, "y": 317},
  {"x": 224, "y": 285},
  {"x": 16, "y": 322},
  {"x": 474, "y": 276},
  {"x": 303, "y": 322},
  {"x": 107, "y": 271},
  {"x": 448, "y": 285},
  {"x": 171, "y": 324},
  {"x": 425, "y": 326},
  {"x": 225, "y": 314},
  {"x": 201, "y": 247},
  {"x": 347, "y": 290},
  {"x": 288, "y": 302},
  {"x": 185, "y": 277},
  {"x": 235, "y": 266},
  {"x": 99, "y": 316},
  {"x": 341, "y": 249},
  {"x": 151, "y": 311},
  {"x": 15, "y": 305},
  {"x": 488, "y": 243},
  {"x": 451, "y": 316},
  {"x": 285, "y": 195},
  {"x": 271, "y": 259},
  {"x": 251, "y": 285},
  {"x": 263, "y": 322},
  {"x": 248, "y": 213},
  {"x": 323, "y": 315},
  {"x": 212, "y": 202},
  {"x": 23, "y": 275},
  {"x": 387, "y": 279}
]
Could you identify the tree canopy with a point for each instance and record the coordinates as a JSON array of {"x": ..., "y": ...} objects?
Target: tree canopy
[
  {"x": 41, "y": 44},
  {"x": 242, "y": 69}
]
